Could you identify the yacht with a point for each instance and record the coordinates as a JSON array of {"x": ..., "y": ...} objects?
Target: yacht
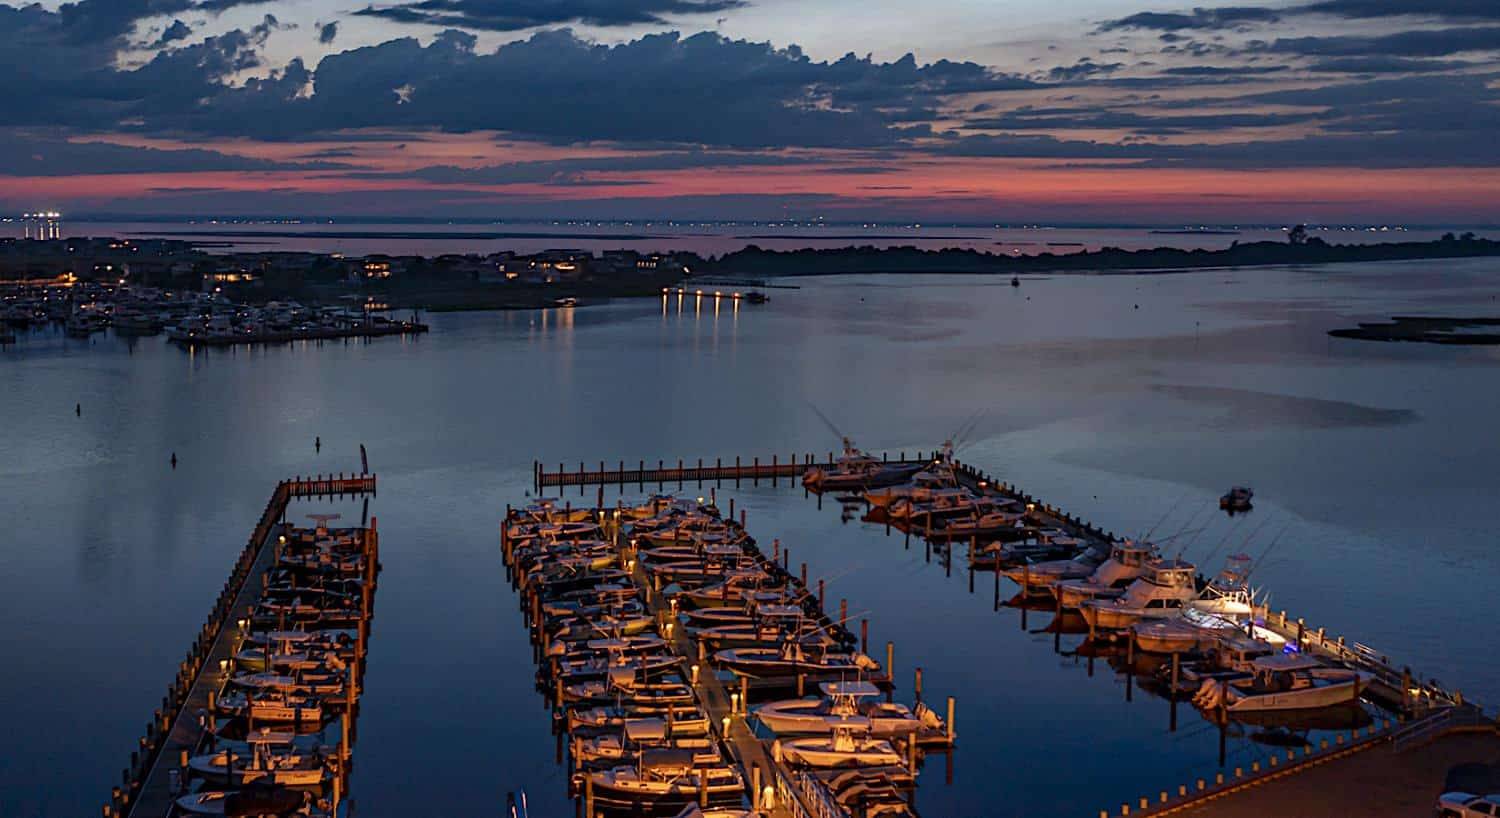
[
  {"x": 854, "y": 469},
  {"x": 1128, "y": 560},
  {"x": 271, "y": 706},
  {"x": 1161, "y": 593},
  {"x": 842, "y": 702},
  {"x": 255, "y": 800},
  {"x": 936, "y": 476},
  {"x": 637, "y": 736},
  {"x": 1038, "y": 578}
]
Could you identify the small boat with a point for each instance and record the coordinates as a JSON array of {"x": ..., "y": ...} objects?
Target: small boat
[
  {"x": 1237, "y": 499},
  {"x": 270, "y": 706},
  {"x": 848, "y": 745},
  {"x": 793, "y": 659},
  {"x": 637, "y": 736},
  {"x": 664, "y": 779},
  {"x": 936, "y": 476},
  {"x": 681, "y": 720},
  {"x": 1283, "y": 682},
  {"x": 247, "y": 801},
  {"x": 841, "y": 702},
  {"x": 1160, "y": 594},
  {"x": 272, "y": 759}
]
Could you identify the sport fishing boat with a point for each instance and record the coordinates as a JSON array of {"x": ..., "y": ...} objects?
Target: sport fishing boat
[
  {"x": 627, "y": 690},
  {"x": 793, "y": 659},
  {"x": 681, "y": 720},
  {"x": 1128, "y": 560},
  {"x": 1285, "y": 681},
  {"x": 855, "y": 469},
  {"x": 936, "y": 476},
  {"x": 252, "y": 800},
  {"x": 1160, "y": 594},
  {"x": 664, "y": 779},
  {"x": 849, "y": 744},
  {"x": 272, "y": 759},
  {"x": 271, "y": 706},
  {"x": 637, "y": 736},
  {"x": 1037, "y": 578},
  {"x": 736, "y": 587},
  {"x": 842, "y": 702},
  {"x": 292, "y": 650}
]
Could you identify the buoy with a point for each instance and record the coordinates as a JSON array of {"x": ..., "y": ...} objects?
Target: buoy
[
  {"x": 78, "y": 409},
  {"x": 174, "y": 460},
  {"x": 317, "y": 444}
]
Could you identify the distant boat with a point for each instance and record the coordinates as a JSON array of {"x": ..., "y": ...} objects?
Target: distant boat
[
  {"x": 1237, "y": 499},
  {"x": 566, "y": 302},
  {"x": 757, "y": 297},
  {"x": 1015, "y": 281}
]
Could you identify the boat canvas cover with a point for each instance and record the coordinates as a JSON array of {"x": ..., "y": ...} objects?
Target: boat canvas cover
[
  {"x": 769, "y": 611},
  {"x": 639, "y": 730},
  {"x": 261, "y": 801},
  {"x": 849, "y": 689}
]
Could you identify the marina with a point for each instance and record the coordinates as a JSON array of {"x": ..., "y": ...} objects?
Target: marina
[
  {"x": 1295, "y": 679},
  {"x": 260, "y": 717},
  {"x": 633, "y": 672}
]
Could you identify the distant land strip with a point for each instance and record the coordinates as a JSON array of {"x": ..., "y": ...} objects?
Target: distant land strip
[
  {"x": 416, "y": 235},
  {"x": 760, "y": 262}
]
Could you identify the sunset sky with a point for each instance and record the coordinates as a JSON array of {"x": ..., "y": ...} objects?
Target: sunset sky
[{"x": 1086, "y": 111}]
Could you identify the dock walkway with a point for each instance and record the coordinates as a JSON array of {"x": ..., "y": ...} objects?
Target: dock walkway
[{"x": 148, "y": 786}]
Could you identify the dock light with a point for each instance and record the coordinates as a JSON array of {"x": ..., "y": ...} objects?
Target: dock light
[
  {"x": 725, "y": 722},
  {"x": 698, "y": 292},
  {"x": 241, "y": 623},
  {"x": 734, "y": 702},
  {"x": 716, "y": 293},
  {"x": 223, "y": 666},
  {"x": 983, "y": 484},
  {"x": 1030, "y": 507},
  {"x": 281, "y": 539},
  {"x": 669, "y": 629},
  {"x": 694, "y": 670}
]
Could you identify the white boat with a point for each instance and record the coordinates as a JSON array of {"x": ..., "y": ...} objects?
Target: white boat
[
  {"x": 1038, "y": 578},
  {"x": 1158, "y": 595},
  {"x": 637, "y": 736},
  {"x": 665, "y": 779},
  {"x": 938, "y": 476},
  {"x": 842, "y": 702},
  {"x": 849, "y": 745},
  {"x": 1283, "y": 682},
  {"x": 271, "y": 706},
  {"x": 1128, "y": 560},
  {"x": 272, "y": 759},
  {"x": 793, "y": 659},
  {"x": 854, "y": 469},
  {"x": 246, "y": 802}
]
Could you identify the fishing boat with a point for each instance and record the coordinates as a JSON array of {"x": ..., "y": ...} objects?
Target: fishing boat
[
  {"x": 842, "y": 702},
  {"x": 270, "y": 706},
  {"x": 272, "y": 759},
  {"x": 793, "y": 659},
  {"x": 627, "y": 690},
  {"x": 681, "y": 720},
  {"x": 849, "y": 744},
  {"x": 664, "y": 779},
  {"x": 247, "y": 801},
  {"x": 1161, "y": 593},
  {"x": 1127, "y": 561},
  {"x": 736, "y": 587},
  {"x": 1037, "y": 578},
  {"x": 936, "y": 476},
  {"x": 1285, "y": 681},
  {"x": 637, "y": 736},
  {"x": 855, "y": 469},
  {"x": 998, "y": 525}
]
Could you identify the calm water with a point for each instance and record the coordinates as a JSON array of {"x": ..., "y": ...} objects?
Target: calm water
[
  {"x": 355, "y": 238},
  {"x": 1126, "y": 399}
]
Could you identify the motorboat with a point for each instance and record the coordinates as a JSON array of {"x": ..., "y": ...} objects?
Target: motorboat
[
  {"x": 842, "y": 702},
  {"x": 849, "y": 744},
  {"x": 999, "y": 524},
  {"x": 936, "y": 476},
  {"x": 1037, "y": 578},
  {"x": 793, "y": 659},
  {"x": 636, "y": 736},
  {"x": 681, "y": 720},
  {"x": 270, "y": 706},
  {"x": 272, "y": 758},
  {"x": 1284, "y": 681},
  {"x": 1161, "y": 593},
  {"x": 247, "y": 801},
  {"x": 1237, "y": 498},
  {"x": 1128, "y": 560},
  {"x": 855, "y": 469},
  {"x": 664, "y": 779}
]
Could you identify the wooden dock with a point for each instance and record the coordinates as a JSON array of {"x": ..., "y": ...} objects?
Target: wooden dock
[
  {"x": 150, "y": 783},
  {"x": 773, "y": 468}
]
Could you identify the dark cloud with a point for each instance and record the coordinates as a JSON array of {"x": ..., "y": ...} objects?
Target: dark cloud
[
  {"x": 582, "y": 170},
  {"x": 1415, "y": 43},
  {"x": 23, "y": 154},
  {"x": 327, "y": 32},
  {"x": 178, "y": 30},
  {"x": 1224, "y": 71},
  {"x": 516, "y": 15},
  {"x": 1075, "y": 119},
  {"x": 703, "y": 89},
  {"x": 1385, "y": 65},
  {"x": 1448, "y": 9},
  {"x": 1083, "y": 69},
  {"x": 1198, "y": 18}
]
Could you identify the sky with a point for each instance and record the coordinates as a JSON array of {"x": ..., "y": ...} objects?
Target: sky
[{"x": 963, "y": 111}]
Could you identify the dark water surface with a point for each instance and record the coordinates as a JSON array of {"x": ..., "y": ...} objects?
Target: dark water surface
[{"x": 1377, "y": 463}]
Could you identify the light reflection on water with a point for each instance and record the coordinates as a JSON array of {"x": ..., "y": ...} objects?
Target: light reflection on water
[{"x": 1116, "y": 397}]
